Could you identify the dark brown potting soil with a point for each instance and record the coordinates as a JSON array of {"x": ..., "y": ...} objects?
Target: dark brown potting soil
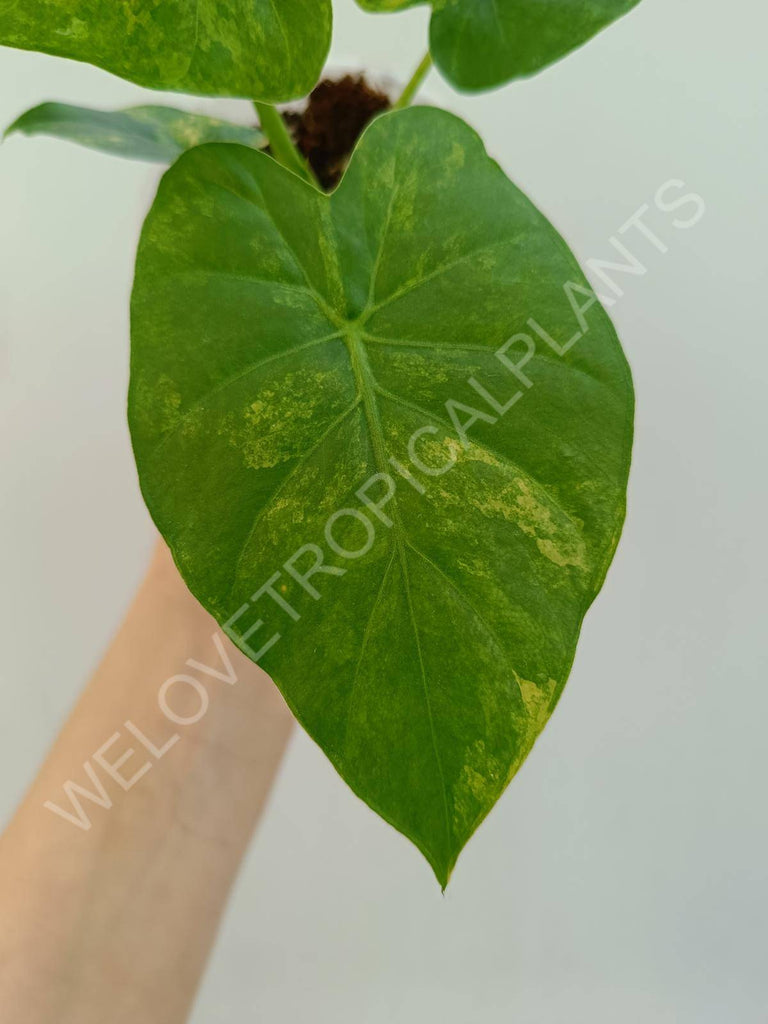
[{"x": 331, "y": 123}]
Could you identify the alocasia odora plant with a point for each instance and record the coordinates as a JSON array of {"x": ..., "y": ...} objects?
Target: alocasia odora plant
[{"x": 385, "y": 431}]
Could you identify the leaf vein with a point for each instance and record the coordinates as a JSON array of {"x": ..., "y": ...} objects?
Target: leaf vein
[
  {"x": 367, "y": 388},
  {"x": 300, "y": 464},
  {"x": 427, "y": 699},
  {"x": 223, "y": 385},
  {"x": 503, "y": 460},
  {"x": 364, "y": 645},
  {"x": 444, "y": 268},
  {"x": 478, "y": 615}
]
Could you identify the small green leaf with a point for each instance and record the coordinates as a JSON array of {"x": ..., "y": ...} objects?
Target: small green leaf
[
  {"x": 159, "y": 134},
  {"x": 257, "y": 49},
  {"x": 481, "y": 44},
  {"x": 286, "y": 345}
]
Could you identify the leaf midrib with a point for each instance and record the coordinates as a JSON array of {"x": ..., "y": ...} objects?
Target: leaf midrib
[{"x": 366, "y": 384}]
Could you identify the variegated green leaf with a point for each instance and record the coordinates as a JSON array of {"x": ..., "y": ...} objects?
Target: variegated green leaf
[
  {"x": 159, "y": 134},
  {"x": 386, "y": 434},
  {"x": 480, "y": 44},
  {"x": 261, "y": 49}
]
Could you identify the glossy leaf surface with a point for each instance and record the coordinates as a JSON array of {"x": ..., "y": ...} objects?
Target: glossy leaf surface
[
  {"x": 286, "y": 346},
  {"x": 258, "y": 49},
  {"x": 481, "y": 44},
  {"x": 159, "y": 134}
]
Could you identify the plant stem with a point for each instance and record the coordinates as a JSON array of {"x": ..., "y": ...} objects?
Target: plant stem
[
  {"x": 414, "y": 84},
  {"x": 280, "y": 142}
]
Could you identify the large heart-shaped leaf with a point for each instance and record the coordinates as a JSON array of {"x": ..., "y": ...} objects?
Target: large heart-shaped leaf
[
  {"x": 286, "y": 347},
  {"x": 259, "y": 49},
  {"x": 159, "y": 134},
  {"x": 480, "y": 44}
]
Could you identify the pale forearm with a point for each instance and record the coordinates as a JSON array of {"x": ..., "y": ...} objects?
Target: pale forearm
[{"x": 109, "y": 913}]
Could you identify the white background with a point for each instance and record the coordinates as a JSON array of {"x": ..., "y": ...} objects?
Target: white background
[{"x": 622, "y": 878}]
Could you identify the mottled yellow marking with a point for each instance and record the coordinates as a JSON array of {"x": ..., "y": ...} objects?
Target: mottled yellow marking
[
  {"x": 456, "y": 158},
  {"x": 479, "y": 779},
  {"x": 282, "y": 416},
  {"x": 555, "y": 535},
  {"x": 162, "y": 401},
  {"x": 188, "y": 134},
  {"x": 537, "y": 700},
  {"x": 563, "y": 556}
]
